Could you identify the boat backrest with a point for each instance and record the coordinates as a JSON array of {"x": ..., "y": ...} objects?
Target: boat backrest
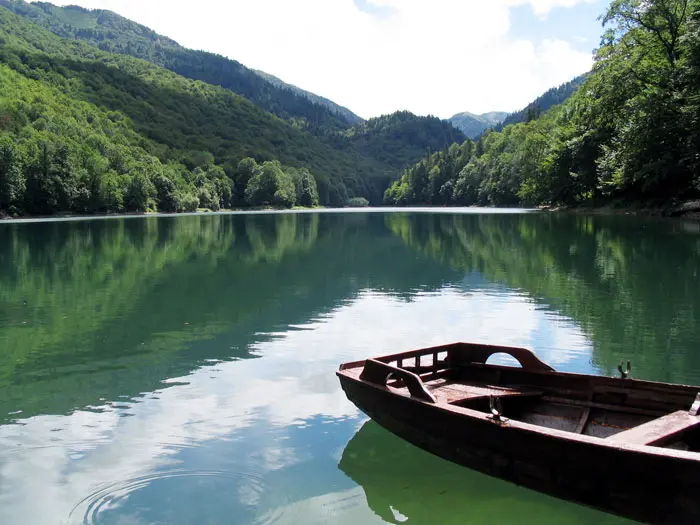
[{"x": 467, "y": 353}]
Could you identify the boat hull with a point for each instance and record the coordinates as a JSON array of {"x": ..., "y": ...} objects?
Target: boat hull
[{"x": 652, "y": 488}]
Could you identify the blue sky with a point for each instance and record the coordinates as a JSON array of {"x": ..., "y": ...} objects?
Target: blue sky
[
  {"x": 437, "y": 57},
  {"x": 576, "y": 25}
]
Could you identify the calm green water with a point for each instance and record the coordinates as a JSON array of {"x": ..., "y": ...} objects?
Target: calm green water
[{"x": 180, "y": 370}]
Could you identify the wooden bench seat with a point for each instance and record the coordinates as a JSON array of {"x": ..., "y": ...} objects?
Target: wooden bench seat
[
  {"x": 658, "y": 431},
  {"x": 452, "y": 392}
]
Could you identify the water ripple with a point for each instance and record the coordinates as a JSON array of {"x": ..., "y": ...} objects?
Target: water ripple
[{"x": 96, "y": 507}]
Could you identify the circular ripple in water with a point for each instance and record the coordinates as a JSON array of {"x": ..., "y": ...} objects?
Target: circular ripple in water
[{"x": 180, "y": 496}]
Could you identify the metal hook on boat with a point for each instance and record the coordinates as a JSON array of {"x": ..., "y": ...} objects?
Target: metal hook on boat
[
  {"x": 496, "y": 408},
  {"x": 624, "y": 374}
]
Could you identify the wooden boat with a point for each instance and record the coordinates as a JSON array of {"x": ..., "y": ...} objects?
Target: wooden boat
[{"x": 625, "y": 446}]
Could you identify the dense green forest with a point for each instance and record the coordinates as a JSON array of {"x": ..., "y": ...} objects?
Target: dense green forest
[
  {"x": 116, "y": 34},
  {"x": 396, "y": 140},
  {"x": 82, "y": 130},
  {"x": 399, "y": 139},
  {"x": 631, "y": 131}
]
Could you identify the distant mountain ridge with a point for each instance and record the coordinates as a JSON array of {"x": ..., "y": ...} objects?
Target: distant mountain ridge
[
  {"x": 473, "y": 125},
  {"x": 544, "y": 102},
  {"x": 344, "y": 112}
]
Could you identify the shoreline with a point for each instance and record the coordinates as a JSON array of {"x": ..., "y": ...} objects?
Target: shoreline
[{"x": 687, "y": 210}]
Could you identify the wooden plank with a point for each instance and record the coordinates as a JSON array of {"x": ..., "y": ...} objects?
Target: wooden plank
[
  {"x": 604, "y": 406},
  {"x": 658, "y": 430},
  {"x": 451, "y": 392},
  {"x": 584, "y": 419}
]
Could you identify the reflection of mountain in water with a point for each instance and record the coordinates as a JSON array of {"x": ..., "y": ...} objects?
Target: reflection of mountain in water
[
  {"x": 631, "y": 284},
  {"x": 102, "y": 309},
  {"x": 404, "y": 483}
]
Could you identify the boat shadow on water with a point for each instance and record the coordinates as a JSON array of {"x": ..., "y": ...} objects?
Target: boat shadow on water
[{"x": 403, "y": 483}]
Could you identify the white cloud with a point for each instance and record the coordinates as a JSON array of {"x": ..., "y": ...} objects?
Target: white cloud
[{"x": 438, "y": 57}]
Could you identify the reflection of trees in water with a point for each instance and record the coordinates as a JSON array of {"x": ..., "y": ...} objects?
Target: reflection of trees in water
[
  {"x": 271, "y": 237},
  {"x": 76, "y": 295},
  {"x": 114, "y": 307},
  {"x": 64, "y": 280},
  {"x": 632, "y": 284}
]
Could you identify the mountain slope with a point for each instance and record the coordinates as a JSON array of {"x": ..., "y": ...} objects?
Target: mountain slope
[
  {"x": 115, "y": 34},
  {"x": 388, "y": 142},
  {"x": 160, "y": 117},
  {"x": 474, "y": 125},
  {"x": 399, "y": 139}
]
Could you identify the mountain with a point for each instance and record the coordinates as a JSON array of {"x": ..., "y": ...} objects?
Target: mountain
[
  {"x": 83, "y": 130},
  {"x": 541, "y": 104},
  {"x": 474, "y": 125},
  {"x": 343, "y": 112},
  {"x": 377, "y": 149},
  {"x": 399, "y": 139},
  {"x": 115, "y": 34}
]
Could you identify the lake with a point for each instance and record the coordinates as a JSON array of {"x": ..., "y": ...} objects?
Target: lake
[{"x": 177, "y": 370}]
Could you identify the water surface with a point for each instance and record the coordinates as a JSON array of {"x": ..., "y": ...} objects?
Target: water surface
[{"x": 181, "y": 369}]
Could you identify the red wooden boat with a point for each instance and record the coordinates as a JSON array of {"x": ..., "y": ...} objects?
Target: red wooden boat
[{"x": 625, "y": 446}]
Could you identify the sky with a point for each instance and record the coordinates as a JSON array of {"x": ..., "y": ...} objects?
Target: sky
[{"x": 431, "y": 57}]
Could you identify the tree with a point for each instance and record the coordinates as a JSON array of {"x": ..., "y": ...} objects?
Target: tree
[
  {"x": 167, "y": 196},
  {"x": 306, "y": 188},
  {"x": 246, "y": 170},
  {"x": 140, "y": 193},
  {"x": 12, "y": 180},
  {"x": 271, "y": 186}
]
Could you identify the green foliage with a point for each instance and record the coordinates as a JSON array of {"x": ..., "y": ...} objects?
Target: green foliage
[
  {"x": 12, "y": 179},
  {"x": 271, "y": 186},
  {"x": 401, "y": 138},
  {"x": 115, "y": 34},
  {"x": 306, "y": 188},
  {"x": 77, "y": 123},
  {"x": 358, "y": 202}
]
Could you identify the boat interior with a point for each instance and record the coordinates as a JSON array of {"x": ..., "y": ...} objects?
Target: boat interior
[{"x": 618, "y": 409}]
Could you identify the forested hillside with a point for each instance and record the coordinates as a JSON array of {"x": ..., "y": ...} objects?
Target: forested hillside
[
  {"x": 196, "y": 124},
  {"x": 632, "y": 130},
  {"x": 116, "y": 34},
  {"x": 399, "y": 139},
  {"x": 83, "y": 130}
]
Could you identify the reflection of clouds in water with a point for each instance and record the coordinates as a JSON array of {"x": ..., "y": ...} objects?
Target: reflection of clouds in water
[{"x": 59, "y": 460}]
